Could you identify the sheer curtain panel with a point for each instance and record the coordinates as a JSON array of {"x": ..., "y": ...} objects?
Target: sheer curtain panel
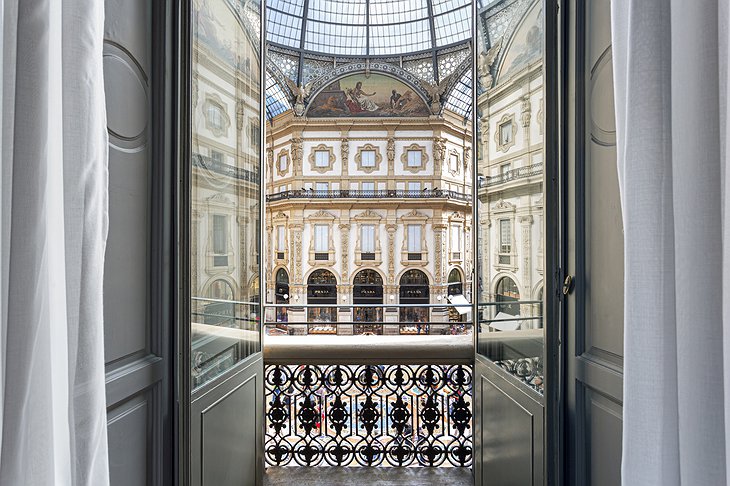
[
  {"x": 54, "y": 226},
  {"x": 670, "y": 76}
]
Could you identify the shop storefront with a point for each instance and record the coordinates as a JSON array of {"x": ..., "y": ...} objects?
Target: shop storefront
[
  {"x": 414, "y": 290},
  {"x": 322, "y": 291},
  {"x": 367, "y": 289}
]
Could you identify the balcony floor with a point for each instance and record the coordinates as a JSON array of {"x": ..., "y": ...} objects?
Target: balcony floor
[{"x": 371, "y": 476}]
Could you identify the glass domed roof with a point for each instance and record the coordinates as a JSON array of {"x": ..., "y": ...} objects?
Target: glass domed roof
[
  {"x": 367, "y": 28},
  {"x": 426, "y": 42}
]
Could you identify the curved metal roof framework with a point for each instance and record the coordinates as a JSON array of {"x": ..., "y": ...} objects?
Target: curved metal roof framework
[{"x": 308, "y": 40}]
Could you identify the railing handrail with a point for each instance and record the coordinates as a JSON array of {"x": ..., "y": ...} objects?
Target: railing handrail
[
  {"x": 207, "y": 162},
  {"x": 513, "y": 174},
  {"x": 365, "y": 194},
  {"x": 445, "y": 304}
]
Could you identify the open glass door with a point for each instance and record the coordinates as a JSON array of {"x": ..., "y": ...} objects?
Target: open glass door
[
  {"x": 225, "y": 361},
  {"x": 510, "y": 220}
]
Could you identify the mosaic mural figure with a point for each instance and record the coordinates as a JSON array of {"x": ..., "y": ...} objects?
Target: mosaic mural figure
[{"x": 376, "y": 95}]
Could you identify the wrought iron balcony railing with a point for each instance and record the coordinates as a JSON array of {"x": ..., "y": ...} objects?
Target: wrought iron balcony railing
[
  {"x": 369, "y": 415},
  {"x": 239, "y": 173},
  {"x": 375, "y": 194},
  {"x": 513, "y": 174}
]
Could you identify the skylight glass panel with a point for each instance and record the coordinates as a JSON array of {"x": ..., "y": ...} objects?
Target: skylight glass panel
[
  {"x": 399, "y": 38},
  {"x": 292, "y": 7},
  {"x": 276, "y": 101},
  {"x": 485, "y": 3},
  {"x": 443, "y": 6},
  {"x": 349, "y": 12},
  {"x": 397, "y": 11},
  {"x": 452, "y": 27},
  {"x": 335, "y": 39},
  {"x": 283, "y": 29},
  {"x": 459, "y": 100}
]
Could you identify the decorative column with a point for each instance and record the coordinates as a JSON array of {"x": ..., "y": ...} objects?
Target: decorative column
[
  {"x": 526, "y": 223},
  {"x": 482, "y": 252},
  {"x": 525, "y": 118},
  {"x": 345, "y": 243},
  {"x": 390, "y": 151},
  {"x": 391, "y": 228},
  {"x": 439, "y": 153},
  {"x": 270, "y": 251},
  {"x": 468, "y": 262},
  {"x": 345, "y": 154},
  {"x": 194, "y": 243},
  {"x": 297, "y": 155},
  {"x": 439, "y": 262},
  {"x": 295, "y": 230},
  {"x": 243, "y": 257},
  {"x": 270, "y": 165}
]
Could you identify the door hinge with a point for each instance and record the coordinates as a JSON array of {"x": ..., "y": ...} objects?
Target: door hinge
[{"x": 568, "y": 285}]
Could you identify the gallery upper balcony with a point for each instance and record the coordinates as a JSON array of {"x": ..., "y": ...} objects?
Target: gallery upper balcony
[{"x": 387, "y": 194}]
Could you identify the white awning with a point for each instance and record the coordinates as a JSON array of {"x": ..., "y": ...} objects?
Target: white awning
[
  {"x": 460, "y": 301},
  {"x": 505, "y": 322}
]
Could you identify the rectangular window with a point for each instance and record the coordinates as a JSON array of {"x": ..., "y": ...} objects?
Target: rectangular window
[
  {"x": 414, "y": 238},
  {"x": 367, "y": 238},
  {"x": 367, "y": 158},
  {"x": 215, "y": 116},
  {"x": 368, "y": 187},
  {"x": 505, "y": 133},
  {"x": 454, "y": 163},
  {"x": 414, "y": 158},
  {"x": 220, "y": 230},
  {"x": 280, "y": 238},
  {"x": 216, "y": 157},
  {"x": 504, "y": 168},
  {"x": 322, "y": 187},
  {"x": 505, "y": 236},
  {"x": 414, "y": 186},
  {"x": 321, "y": 238},
  {"x": 455, "y": 239},
  {"x": 322, "y": 158},
  {"x": 282, "y": 163}
]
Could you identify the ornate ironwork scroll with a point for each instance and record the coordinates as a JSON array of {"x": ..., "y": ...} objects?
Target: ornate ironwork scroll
[
  {"x": 529, "y": 370},
  {"x": 368, "y": 415}
]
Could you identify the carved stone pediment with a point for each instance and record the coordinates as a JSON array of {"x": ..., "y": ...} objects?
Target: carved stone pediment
[
  {"x": 322, "y": 214},
  {"x": 503, "y": 206},
  {"x": 220, "y": 199},
  {"x": 368, "y": 214},
  {"x": 414, "y": 214}
]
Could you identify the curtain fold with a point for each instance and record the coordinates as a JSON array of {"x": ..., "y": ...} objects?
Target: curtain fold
[
  {"x": 54, "y": 224},
  {"x": 670, "y": 82}
]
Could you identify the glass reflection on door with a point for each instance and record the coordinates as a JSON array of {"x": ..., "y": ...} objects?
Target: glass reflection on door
[
  {"x": 225, "y": 186},
  {"x": 510, "y": 104}
]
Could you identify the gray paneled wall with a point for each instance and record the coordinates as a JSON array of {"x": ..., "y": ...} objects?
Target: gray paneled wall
[
  {"x": 133, "y": 347},
  {"x": 509, "y": 428},
  {"x": 595, "y": 309}
]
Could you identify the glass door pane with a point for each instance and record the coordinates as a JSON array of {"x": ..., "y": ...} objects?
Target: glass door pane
[{"x": 225, "y": 186}]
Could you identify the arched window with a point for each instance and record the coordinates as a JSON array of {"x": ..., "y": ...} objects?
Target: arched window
[
  {"x": 455, "y": 287},
  {"x": 322, "y": 289},
  {"x": 507, "y": 292},
  {"x": 220, "y": 310},
  {"x": 281, "y": 294},
  {"x": 367, "y": 289},
  {"x": 414, "y": 290},
  {"x": 253, "y": 290}
]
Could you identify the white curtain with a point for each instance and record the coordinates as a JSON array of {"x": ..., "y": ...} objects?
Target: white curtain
[
  {"x": 54, "y": 226},
  {"x": 670, "y": 74}
]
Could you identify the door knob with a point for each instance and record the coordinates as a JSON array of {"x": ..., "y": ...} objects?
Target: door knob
[{"x": 568, "y": 284}]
